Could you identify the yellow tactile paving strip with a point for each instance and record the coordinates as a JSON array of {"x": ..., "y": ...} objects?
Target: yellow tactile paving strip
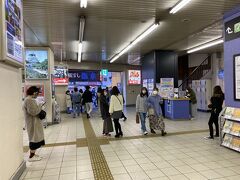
[{"x": 99, "y": 164}]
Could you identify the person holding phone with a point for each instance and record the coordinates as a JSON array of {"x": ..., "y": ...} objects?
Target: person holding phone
[{"x": 33, "y": 122}]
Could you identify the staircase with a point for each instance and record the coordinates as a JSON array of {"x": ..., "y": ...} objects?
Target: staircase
[{"x": 198, "y": 73}]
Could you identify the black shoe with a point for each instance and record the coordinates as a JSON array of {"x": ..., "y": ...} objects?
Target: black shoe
[
  {"x": 217, "y": 135},
  {"x": 163, "y": 133},
  {"x": 117, "y": 136},
  {"x": 88, "y": 116},
  {"x": 120, "y": 134},
  {"x": 125, "y": 118},
  {"x": 152, "y": 131}
]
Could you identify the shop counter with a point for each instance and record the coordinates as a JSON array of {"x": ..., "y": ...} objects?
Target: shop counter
[{"x": 177, "y": 109}]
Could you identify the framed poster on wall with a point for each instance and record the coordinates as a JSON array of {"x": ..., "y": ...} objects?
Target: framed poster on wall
[
  {"x": 134, "y": 77},
  {"x": 12, "y": 31},
  {"x": 36, "y": 64},
  {"x": 61, "y": 75},
  {"x": 236, "y": 74}
]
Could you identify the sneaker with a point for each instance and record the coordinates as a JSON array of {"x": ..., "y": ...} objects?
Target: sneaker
[
  {"x": 145, "y": 133},
  {"x": 152, "y": 131},
  {"x": 34, "y": 158},
  {"x": 209, "y": 137},
  {"x": 124, "y": 119}
]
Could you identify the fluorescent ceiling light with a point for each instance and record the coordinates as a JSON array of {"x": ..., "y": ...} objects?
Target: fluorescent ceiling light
[
  {"x": 81, "y": 33},
  {"x": 138, "y": 39},
  {"x": 83, "y": 3},
  {"x": 206, "y": 45},
  {"x": 179, "y": 6},
  {"x": 80, "y": 52}
]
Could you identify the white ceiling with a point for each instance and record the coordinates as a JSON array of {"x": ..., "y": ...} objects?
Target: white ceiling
[{"x": 112, "y": 24}]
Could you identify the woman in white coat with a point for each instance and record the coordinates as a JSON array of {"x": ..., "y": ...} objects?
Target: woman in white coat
[
  {"x": 33, "y": 123},
  {"x": 68, "y": 102}
]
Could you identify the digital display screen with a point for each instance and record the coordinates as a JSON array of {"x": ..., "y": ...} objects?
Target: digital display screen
[{"x": 36, "y": 64}]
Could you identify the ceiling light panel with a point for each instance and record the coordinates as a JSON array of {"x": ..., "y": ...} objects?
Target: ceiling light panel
[{"x": 179, "y": 6}]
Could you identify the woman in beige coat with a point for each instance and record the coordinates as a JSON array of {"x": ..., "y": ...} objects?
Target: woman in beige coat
[{"x": 33, "y": 123}]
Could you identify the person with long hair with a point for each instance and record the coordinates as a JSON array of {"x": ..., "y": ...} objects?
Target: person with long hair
[
  {"x": 68, "y": 102},
  {"x": 216, "y": 107},
  {"x": 33, "y": 122},
  {"x": 155, "y": 112},
  {"x": 104, "y": 108},
  {"x": 141, "y": 108},
  {"x": 116, "y": 108}
]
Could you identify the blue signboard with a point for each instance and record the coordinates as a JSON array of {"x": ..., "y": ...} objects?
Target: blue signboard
[{"x": 83, "y": 76}]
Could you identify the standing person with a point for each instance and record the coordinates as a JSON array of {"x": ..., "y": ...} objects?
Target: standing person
[
  {"x": 33, "y": 123},
  {"x": 155, "y": 112},
  {"x": 81, "y": 105},
  {"x": 104, "y": 107},
  {"x": 141, "y": 108},
  {"x": 116, "y": 108},
  {"x": 108, "y": 94},
  {"x": 76, "y": 100},
  {"x": 193, "y": 102},
  {"x": 216, "y": 107},
  {"x": 87, "y": 100},
  {"x": 68, "y": 102},
  {"x": 99, "y": 91}
]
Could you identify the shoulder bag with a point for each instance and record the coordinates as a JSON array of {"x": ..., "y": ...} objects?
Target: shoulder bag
[{"x": 117, "y": 114}]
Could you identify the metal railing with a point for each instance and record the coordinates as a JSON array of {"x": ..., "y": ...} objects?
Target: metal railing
[{"x": 198, "y": 73}]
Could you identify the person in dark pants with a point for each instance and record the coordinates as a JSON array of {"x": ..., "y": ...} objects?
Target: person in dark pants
[
  {"x": 216, "y": 107},
  {"x": 87, "y": 100},
  {"x": 115, "y": 109}
]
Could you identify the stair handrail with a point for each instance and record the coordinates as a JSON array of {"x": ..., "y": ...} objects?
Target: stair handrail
[{"x": 186, "y": 79}]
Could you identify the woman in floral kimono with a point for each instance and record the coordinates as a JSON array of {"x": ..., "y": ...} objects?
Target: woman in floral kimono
[{"x": 155, "y": 112}]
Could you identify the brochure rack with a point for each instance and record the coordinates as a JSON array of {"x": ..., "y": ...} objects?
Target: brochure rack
[{"x": 229, "y": 121}]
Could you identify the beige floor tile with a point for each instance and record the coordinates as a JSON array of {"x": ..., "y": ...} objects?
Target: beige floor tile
[
  {"x": 51, "y": 172},
  {"x": 129, "y": 162},
  {"x": 122, "y": 177},
  {"x": 115, "y": 164},
  {"x": 139, "y": 176},
  {"x": 185, "y": 169},
  {"x": 199, "y": 167},
  {"x": 195, "y": 176},
  {"x": 143, "y": 160},
  {"x": 34, "y": 174},
  {"x": 225, "y": 172},
  {"x": 133, "y": 168},
  {"x": 178, "y": 177},
  {"x": 85, "y": 175},
  {"x": 155, "y": 173},
  {"x": 68, "y": 170},
  {"x": 210, "y": 174},
  {"x": 237, "y": 177},
  {"x": 50, "y": 178},
  {"x": 68, "y": 177},
  {"x": 148, "y": 166},
  {"x": 163, "y": 164},
  {"x": 84, "y": 168},
  {"x": 118, "y": 170},
  {"x": 69, "y": 164},
  {"x": 170, "y": 171}
]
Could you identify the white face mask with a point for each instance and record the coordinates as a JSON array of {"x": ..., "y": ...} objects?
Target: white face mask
[
  {"x": 155, "y": 92},
  {"x": 144, "y": 92},
  {"x": 105, "y": 93}
]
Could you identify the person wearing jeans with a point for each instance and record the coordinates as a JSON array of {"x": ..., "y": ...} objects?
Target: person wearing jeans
[
  {"x": 141, "y": 108},
  {"x": 76, "y": 100}
]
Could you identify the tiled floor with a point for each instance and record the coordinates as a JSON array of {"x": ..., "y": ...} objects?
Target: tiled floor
[{"x": 176, "y": 157}]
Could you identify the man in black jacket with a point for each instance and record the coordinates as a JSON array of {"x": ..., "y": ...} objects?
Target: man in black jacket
[{"x": 87, "y": 100}]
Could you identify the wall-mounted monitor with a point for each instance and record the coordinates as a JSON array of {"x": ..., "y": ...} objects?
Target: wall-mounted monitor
[
  {"x": 60, "y": 75},
  {"x": 36, "y": 64},
  {"x": 134, "y": 77},
  {"x": 12, "y": 32}
]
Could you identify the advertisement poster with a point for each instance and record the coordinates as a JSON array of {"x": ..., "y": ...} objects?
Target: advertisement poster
[
  {"x": 41, "y": 96},
  {"x": 61, "y": 75},
  {"x": 134, "y": 77},
  {"x": 36, "y": 64},
  {"x": 237, "y": 77},
  {"x": 14, "y": 29},
  {"x": 166, "y": 87},
  {"x": 145, "y": 83}
]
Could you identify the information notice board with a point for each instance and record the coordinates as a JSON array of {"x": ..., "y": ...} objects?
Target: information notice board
[
  {"x": 236, "y": 71},
  {"x": 13, "y": 31}
]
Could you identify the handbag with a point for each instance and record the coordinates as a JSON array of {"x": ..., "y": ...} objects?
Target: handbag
[
  {"x": 117, "y": 114},
  {"x": 137, "y": 118},
  {"x": 42, "y": 115}
]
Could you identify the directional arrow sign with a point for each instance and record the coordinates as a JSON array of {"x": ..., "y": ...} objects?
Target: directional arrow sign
[{"x": 229, "y": 30}]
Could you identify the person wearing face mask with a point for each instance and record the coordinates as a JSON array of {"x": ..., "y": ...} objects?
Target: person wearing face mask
[
  {"x": 33, "y": 123},
  {"x": 104, "y": 108},
  {"x": 68, "y": 102},
  {"x": 141, "y": 108},
  {"x": 155, "y": 112}
]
